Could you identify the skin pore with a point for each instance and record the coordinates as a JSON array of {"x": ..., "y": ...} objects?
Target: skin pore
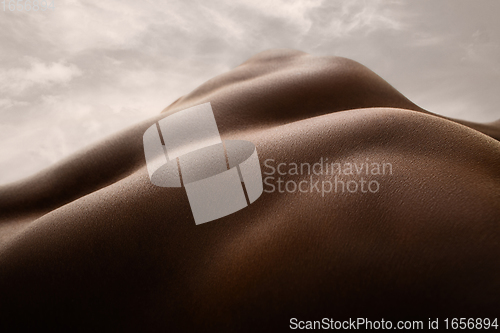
[{"x": 91, "y": 243}]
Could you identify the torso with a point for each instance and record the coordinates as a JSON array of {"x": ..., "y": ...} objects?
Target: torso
[{"x": 93, "y": 238}]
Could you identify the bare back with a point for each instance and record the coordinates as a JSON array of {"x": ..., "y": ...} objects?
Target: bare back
[{"x": 91, "y": 243}]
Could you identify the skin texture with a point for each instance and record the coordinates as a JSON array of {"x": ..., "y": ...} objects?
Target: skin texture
[{"x": 90, "y": 243}]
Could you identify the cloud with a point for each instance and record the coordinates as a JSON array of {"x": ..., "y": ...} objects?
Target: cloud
[
  {"x": 16, "y": 81},
  {"x": 344, "y": 19},
  {"x": 482, "y": 50},
  {"x": 6, "y": 103}
]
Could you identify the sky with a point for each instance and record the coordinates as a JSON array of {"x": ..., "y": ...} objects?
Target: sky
[{"x": 74, "y": 74}]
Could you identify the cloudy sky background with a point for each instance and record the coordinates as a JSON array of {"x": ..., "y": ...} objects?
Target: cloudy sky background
[{"x": 73, "y": 75}]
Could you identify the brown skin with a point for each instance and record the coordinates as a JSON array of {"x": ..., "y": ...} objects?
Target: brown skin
[{"x": 91, "y": 243}]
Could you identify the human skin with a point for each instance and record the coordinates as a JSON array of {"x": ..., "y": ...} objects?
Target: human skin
[{"x": 92, "y": 243}]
